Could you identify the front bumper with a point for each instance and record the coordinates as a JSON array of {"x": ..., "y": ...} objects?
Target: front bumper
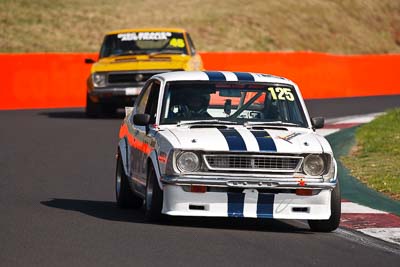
[
  {"x": 117, "y": 91},
  {"x": 118, "y": 97},
  {"x": 249, "y": 203},
  {"x": 249, "y": 182}
]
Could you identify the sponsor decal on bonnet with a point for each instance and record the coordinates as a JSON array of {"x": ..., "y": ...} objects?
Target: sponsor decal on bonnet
[{"x": 289, "y": 137}]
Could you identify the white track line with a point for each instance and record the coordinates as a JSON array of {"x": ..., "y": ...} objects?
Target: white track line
[
  {"x": 388, "y": 234},
  {"x": 350, "y": 207},
  {"x": 354, "y": 119},
  {"x": 325, "y": 132},
  {"x": 366, "y": 240}
]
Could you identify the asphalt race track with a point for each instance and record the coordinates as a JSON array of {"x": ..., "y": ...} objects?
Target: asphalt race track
[{"x": 57, "y": 206}]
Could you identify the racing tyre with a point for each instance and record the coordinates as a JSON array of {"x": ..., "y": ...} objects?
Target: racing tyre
[
  {"x": 154, "y": 198},
  {"x": 92, "y": 108},
  {"x": 108, "y": 110},
  {"x": 125, "y": 197},
  {"x": 333, "y": 222}
]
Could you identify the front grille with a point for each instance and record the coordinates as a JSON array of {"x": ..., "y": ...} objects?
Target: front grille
[
  {"x": 129, "y": 77},
  {"x": 253, "y": 163}
]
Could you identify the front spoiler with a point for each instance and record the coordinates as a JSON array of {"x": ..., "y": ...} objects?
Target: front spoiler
[
  {"x": 266, "y": 183},
  {"x": 250, "y": 203}
]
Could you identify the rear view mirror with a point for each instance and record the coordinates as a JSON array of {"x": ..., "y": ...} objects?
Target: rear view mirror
[
  {"x": 89, "y": 61},
  {"x": 230, "y": 93},
  {"x": 141, "y": 119},
  {"x": 228, "y": 107},
  {"x": 318, "y": 122}
]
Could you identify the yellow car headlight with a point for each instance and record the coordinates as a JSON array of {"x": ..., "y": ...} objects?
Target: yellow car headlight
[{"x": 99, "y": 79}]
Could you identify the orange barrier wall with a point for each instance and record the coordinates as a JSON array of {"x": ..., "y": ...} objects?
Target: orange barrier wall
[
  {"x": 43, "y": 80},
  {"x": 59, "y": 80}
]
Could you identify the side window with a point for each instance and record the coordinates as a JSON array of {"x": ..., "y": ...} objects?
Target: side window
[
  {"x": 152, "y": 103},
  {"x": 141, "y": 105},
  {"x": 191, "y": 45},
  {"x": 103, "y": 49}
]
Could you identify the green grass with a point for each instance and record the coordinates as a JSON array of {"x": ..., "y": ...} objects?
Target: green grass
[
  {"x": 375, "y": 159},
  {"x": 335, "y": 26}
]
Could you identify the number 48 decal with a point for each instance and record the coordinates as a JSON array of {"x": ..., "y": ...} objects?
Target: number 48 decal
[
  {"x": 177, "y": 42},
  {"x": 279, "y": 93}
]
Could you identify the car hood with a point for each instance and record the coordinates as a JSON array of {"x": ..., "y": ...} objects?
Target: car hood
[
  {"x": 239, "y": 138},
  {"x": 142, "y": 62}
]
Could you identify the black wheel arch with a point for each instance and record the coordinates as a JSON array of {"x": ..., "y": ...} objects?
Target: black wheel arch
[
  {"x": 154, "y": 165},
  {"x": 122, "y": 151}
]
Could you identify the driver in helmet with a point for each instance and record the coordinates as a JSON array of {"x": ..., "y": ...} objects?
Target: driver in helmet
[{"x": 197, "y": 104}]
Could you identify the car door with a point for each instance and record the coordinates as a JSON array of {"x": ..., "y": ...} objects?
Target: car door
[
  {"x": 135, "y": 130},
  {"x": 145, "y": 135}
]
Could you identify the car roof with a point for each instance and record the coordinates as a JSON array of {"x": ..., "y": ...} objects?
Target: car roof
[
  {"x": 221, "y": 76},
  {"x": 147, "y": 30}
]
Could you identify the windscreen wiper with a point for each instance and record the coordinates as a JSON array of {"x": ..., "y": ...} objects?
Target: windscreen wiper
[
  {"x": 273, "y": 123},
  {"x": 129, "y": 53},
  {"x": 166, "y": 51},
  {"x": 219, "y": 122}
]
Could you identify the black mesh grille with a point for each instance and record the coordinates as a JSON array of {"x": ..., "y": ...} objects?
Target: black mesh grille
[
  {"x": 129, "y": 77},
  {"x": 252, "y": 162}
]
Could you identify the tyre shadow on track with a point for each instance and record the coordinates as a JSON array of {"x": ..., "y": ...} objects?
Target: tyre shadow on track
[
  {"x": 109, "y": 211},
  {"x": 240, "y": 224},
  {"x": 106, "y": 210}
]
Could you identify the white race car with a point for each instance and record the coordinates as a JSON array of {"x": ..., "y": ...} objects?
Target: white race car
[{"x": 226, "y": 144}]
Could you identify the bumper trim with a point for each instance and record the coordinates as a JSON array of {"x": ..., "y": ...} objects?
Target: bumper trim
[
  {"x": 117, "y": 91},
  {"x": 248, "y": 183}
]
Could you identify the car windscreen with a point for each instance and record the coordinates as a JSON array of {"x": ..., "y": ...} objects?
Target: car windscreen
[
  {"x": 232, "y": 101},
  {"x": 131, "y": 43}
]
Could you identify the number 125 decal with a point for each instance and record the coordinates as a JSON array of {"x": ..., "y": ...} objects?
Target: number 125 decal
[{"x": 279, "y": 93}]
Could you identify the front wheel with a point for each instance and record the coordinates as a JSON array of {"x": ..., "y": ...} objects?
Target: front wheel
[
  {"x": 124, "y": 195},
  {"x": 154, "y": 197},
  {"x": 92, "y": 109},
  {"x": 333, "y": 222},
  {"x": 108, "y": 110}
]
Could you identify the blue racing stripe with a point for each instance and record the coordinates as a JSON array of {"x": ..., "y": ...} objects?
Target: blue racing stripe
[
  {"x": 265, "y": 141},
  {"x": 234, "y": 139},
  {"x": 235, "y": 204},
  {"x": 215, "y": 76},
  {"x": 244, "y": 76},
  {"x": 265, "y": 205}
]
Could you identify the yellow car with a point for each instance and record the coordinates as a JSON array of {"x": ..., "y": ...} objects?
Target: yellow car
[{"x": 128, "y": 58}]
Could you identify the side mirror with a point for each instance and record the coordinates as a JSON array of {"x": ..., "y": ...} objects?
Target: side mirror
[
  {"x": 89, "y": 61},
  {"x": 228, "y": 107},
  {"x": 141, "y": 119},
  {"x": 318, "y": 122}
]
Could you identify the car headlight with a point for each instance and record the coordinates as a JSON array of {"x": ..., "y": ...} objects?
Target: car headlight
[
  {"x": 314, "y": 165},
  {"x": 139, "y": 77},
  {"x": 99, "y": 79},
  {"x": 188, "y": 162}
]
